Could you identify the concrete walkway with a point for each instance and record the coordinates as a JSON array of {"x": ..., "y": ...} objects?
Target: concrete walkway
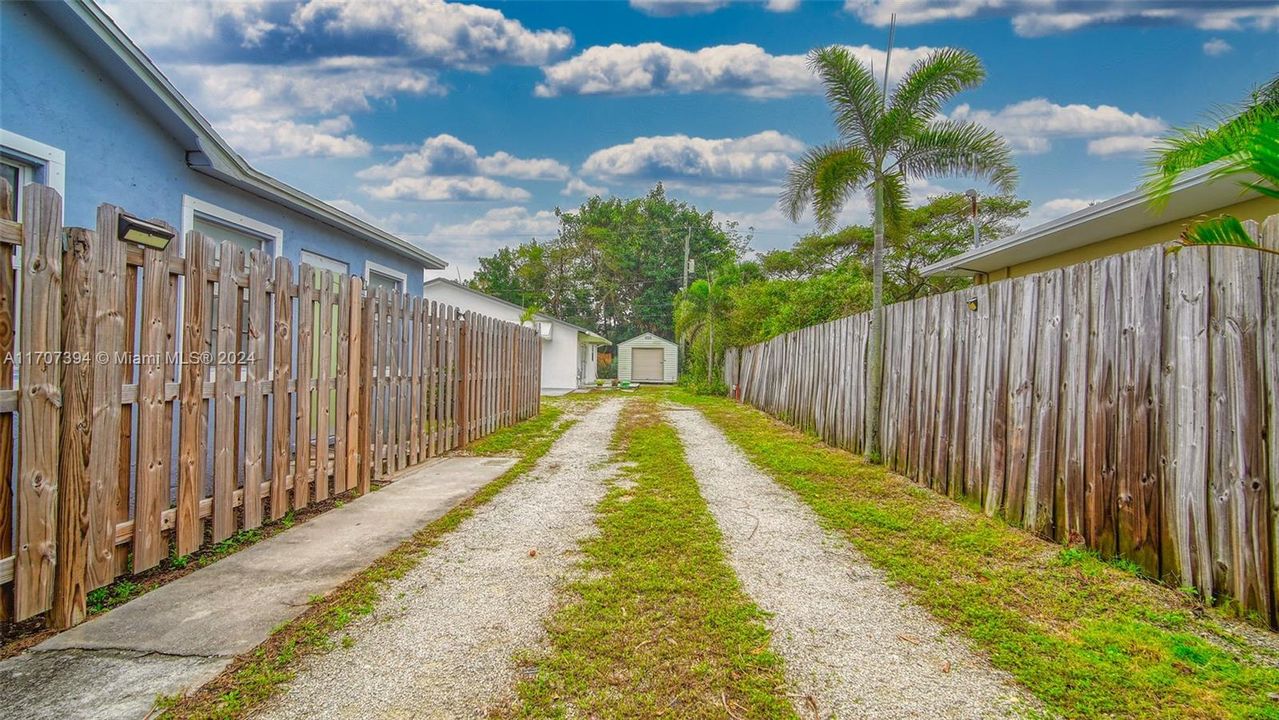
[{"x": 178, "y": 637}]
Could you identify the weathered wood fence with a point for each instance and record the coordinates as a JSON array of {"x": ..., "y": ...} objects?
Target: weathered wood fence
[
  {"x": 165, "y": 402},
  {"x": 1130, "y": 403}
]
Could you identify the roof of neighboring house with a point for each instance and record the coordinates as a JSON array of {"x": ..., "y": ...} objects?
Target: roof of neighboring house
[
  {"x": 641, "y": 336},
  {"x": 1194, "y": 193},
  {"x": 592, "y": 337},
  {"x": 115, "y": 54}
]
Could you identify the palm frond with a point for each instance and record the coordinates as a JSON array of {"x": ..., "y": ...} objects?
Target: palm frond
[
  {"x": 823, "y": 179},
  {"x": 896, "y": 202},
  {"x": 932, "y": 81},
  {"x": 850, "y": 89},
  {"x": 1230, "y": 142},
  {"x": 1220, "y": 230},
  {"x": 946, "y": 147}
]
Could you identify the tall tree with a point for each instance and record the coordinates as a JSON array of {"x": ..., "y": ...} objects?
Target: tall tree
[
  {"x": 615, "y": 265},
  {"x": 884, "y": 141}
]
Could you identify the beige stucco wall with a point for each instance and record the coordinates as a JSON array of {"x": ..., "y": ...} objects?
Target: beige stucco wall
[{"x": 1256, "y": 209}]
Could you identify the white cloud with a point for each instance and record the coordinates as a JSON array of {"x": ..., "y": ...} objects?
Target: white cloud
[
  {"x": 504, "y": 164},
  {"x": 181, "y": 25},
  {"x": 454, "y": 34},
  {"x": 1042, "y": 17},
  {"x": 462, "y": 243},
  {"x": 1216, "y": 47},
  {"x": 268, "y": 137},
  {"x": 577, "y": 187},
  {"x": 328, "y": 85},
  {"x": 508, "y": 224},
  {"x": 654, "y": 68},
  {"x": 751, "y": 164},
  {"x": 1121, "y": 145},
  {"x": 1030, "y": 125},
  {"x": 1043, "y": 212},
  {"x": 781, "y": 6},
  {"x": 670, "y": 8},
  {"x": 439, "y": 189},
  {"x": 448, "y": 156}
]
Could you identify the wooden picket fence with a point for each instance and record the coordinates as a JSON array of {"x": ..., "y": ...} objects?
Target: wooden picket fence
[
  {"x": 1130, "y": 403},
  {"x": 166, "y": 402}
]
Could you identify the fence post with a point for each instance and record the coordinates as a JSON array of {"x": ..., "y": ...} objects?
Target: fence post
[
  {"x": 39, "y": 400},
  {"x": 463, "y": 378}
]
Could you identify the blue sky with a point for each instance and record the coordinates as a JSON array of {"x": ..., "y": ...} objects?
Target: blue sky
[{"x": 463, "y": 126}]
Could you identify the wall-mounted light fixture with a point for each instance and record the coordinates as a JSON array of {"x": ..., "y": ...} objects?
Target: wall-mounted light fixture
[
  {"x": 142, "y": 232},
  {"x": 972, "y": 303}
]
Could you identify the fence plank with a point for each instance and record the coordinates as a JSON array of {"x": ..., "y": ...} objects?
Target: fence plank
[
  {"x": 323, "y": 386},
  {"x": 39, "y": 402},
  {"x": 1137, "y": 450},
  {"x": 1236, "y": 453},
  {"x": 1041, "y": 461},
  {"x": 996, "y": 401},
  {"x": 367, "y": 368},
  {"x": 1072, "y": 416},
  {"x": 108, "y": 274},
  {"x": 1023, "y": 326},
  {"x": 152, "y": 485},
  {"x": 281, "y": 405},
  {"x": 225, "y": 417},
  {"x": 1103, "y": 377},
  {"x": 255, "y": 373},
  {"x": 977, "y": 409},
  {"x": 1270, "y": 352},
  {"x": 1186, "y": 554},
  {"x": 345, "y": 409},
  {"x": 192, "y": 439},
  {"x": 72, "y": 536},
  {"x": 380, "y": 384},
  {"x": 415, "y": 382},
  {"x": 7, "y": 306},
  {"x": 303, "y": 474}
]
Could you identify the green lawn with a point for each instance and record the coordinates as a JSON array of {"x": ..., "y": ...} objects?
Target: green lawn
[
  {"x": 658, "y": 626},
  {"x": 1089, "y": 639}
]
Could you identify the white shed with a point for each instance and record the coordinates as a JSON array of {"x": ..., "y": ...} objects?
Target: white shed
[{"x": 648, "y": 359}]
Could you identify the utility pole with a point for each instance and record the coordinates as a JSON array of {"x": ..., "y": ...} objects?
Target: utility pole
[{"x": 688, "y": 234}]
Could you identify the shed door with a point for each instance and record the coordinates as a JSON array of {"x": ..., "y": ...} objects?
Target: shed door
[{"x": 647, "y": 364}]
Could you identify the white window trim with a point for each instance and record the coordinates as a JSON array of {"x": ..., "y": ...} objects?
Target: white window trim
[
  {"x": 379, "y": 268},
  {"x": 53, "y": 159},
  {"x": 193, "y": 205},
  {"x": 302, "y": 258}
]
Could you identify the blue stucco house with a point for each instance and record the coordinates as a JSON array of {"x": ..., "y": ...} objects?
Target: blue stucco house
[{"x": 82, "y": 109}]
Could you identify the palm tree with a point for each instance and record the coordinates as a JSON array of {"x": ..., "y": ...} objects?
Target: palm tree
[
  {"x": 884, "y": 141},
  {"x": 1244, "y": 141},
  {"x": 695, "y": 311}
]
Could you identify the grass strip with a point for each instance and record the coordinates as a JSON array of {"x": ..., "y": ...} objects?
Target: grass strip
[
  {"x": 257, "y": 675},
  {"x": 658, "y": 624},
  {"x": 1089, "y": 639}
]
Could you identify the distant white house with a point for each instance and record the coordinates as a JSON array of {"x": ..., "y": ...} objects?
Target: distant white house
[
  {"x": 568, "y": 351},
  {"x": 648, "y": 358}
]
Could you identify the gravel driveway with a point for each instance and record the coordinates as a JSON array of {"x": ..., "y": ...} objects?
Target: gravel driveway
[
  {"x": 855, "y": 645},
  {"x": 440, "y": 644}
]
